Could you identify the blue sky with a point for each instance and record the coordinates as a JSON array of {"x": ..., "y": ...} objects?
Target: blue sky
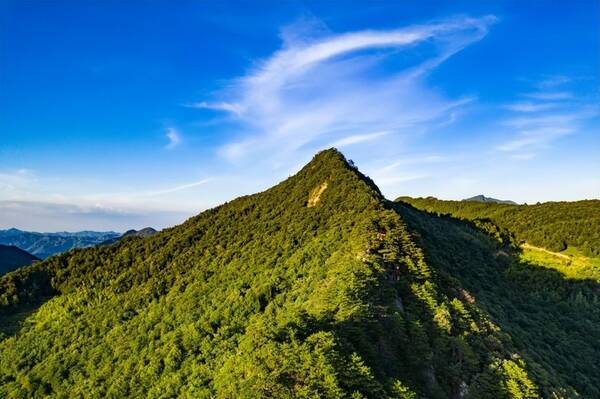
[{"x": 118, "y": 115}]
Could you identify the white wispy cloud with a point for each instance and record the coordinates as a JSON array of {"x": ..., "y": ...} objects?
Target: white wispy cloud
[
  {"x": 411, "y": 161},
  {"x": 554, "y": 81},
  {"x": 14, "y": 183},
  {"x": 181, "y": 187},
  {"x": 315, "y": 91},
  {"x": 173, "y": 136},
  {"x": 408, "y": 168},
  {"x": 550, "y": 95},
  {"x": 385, "y": 181},
  {"x": 534, "y": 137},
  {"x": 554, "y": 119},
  {"x": 143, "y": 198},
  {"x": 218, "y": 106},
  {"x": 61, "y": 208},
  {"x": 524, "y": 156},
  {"x": 52, "y": 216},
  {"x": 550, "y": 114},
  {"x": 538, "y": 130},
  {"x": 528, "y": 106},
  {"x": 358, "y": 138}
]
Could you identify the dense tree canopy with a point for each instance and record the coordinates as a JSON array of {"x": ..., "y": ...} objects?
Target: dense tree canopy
[
  {"x": 317, "y": 287},
  {"x": 553, "y": 225},
  {"x": 547, "y": 305}
]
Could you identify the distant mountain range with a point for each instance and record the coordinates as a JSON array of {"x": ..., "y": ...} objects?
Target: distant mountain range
[
  {"x": 43, "y": 245},
  {"x": 483, "y": 198},
  {"x": 12, "y": 258}
]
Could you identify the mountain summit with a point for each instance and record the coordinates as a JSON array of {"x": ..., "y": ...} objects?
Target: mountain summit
[
  {"x": 483, "y": 198},
  {"x": 317, "y": 287}
]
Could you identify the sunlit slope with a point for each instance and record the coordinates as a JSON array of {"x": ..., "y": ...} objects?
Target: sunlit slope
[
  {"x": 265, "y": 296},
  {"x": 569, "y": 263}
]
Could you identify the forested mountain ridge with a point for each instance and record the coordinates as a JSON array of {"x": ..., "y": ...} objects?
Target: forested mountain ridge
[
  {"x": 483, "y": 198},
  {"x": 43, "y": 245},
  {"x": 317, "y": 287},
  {"x": 552, "y": 225},
  {"x": 12, "y": 258}
]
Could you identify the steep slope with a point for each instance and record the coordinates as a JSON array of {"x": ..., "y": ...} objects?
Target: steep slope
[
  {"x": 552, "y": 225},
  {"x": 550, "y": 312},
  {"x": 43, "y": 245},
  {"x": 12, "y": 258},
  {"x": 483, "y": 198},
  {"x": 313, "y": 288}
]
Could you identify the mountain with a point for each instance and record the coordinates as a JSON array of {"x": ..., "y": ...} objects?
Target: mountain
[
  {"x": 12, "y": 258},
  {"x": 552, "y": 225},
  {"x": 44, "y": 245},
  {"x": 318, "y": 287},
  {"x": 145, "y": 232},
  {"x": 483, "y": 198},
  {"x": 546, "y": 304}
]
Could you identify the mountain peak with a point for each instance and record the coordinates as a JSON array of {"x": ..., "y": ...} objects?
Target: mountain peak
[
  {"x": 329, "y": 158},
  {"x": 483, "y": 198},
  {"x": 331, "y": 164},
  {"x": 145, "y": 232}
]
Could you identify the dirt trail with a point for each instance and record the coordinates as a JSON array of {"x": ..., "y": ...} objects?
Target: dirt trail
[{"x": 529, "y": 246}]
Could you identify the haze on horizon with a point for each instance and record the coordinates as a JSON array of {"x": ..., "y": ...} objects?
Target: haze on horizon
[{"x": 120, "y": 115}]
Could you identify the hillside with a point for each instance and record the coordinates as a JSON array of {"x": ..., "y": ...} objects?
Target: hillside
[
  {"x": 44, "y": 245},
  {"x": 12, "y": 258},
  {"x": 315, "y": 288},
  {"x": 552, "y": 225},
  {"x": 547, "y": 305}
]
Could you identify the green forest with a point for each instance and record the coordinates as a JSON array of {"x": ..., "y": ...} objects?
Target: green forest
[
  {"x": 552, "y": 225},
  {"x": 316, "y": 288}
]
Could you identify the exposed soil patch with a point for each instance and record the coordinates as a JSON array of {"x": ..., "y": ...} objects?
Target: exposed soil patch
[{"x": 315, "y": 195}]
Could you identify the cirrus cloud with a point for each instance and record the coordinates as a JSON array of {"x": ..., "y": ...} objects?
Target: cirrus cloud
[
  {"x": 174, "y": 138},
  {"x": 341, "y": 88}
]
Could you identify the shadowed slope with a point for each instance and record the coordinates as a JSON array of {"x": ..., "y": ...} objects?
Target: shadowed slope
[
  {"x": 552, "y": 320},
  {"x": 552, "y": 225},
  {"x": 12, "y": 258}
]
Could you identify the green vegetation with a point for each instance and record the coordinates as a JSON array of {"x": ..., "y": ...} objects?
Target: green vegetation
[
  {"x": 315, "y": 288},
  {"x": 552, "y": 225},
  {"x": 546, "y": 305},
  {"x": 570, "y": 263}
]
